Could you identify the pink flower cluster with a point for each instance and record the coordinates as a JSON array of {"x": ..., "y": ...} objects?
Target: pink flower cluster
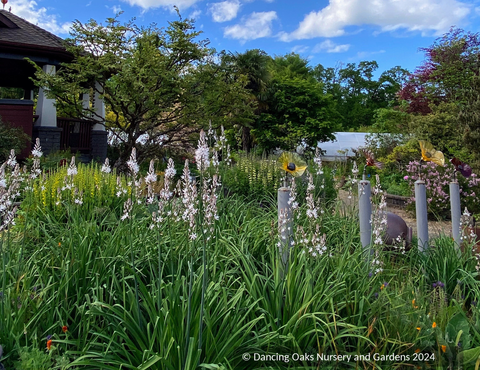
[{"x": 437, "y": 180}]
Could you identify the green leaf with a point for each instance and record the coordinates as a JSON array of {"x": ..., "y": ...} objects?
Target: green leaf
[{"x": 469, "y": 356}]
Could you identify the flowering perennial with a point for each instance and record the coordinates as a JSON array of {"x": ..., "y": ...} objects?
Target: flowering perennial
[
  {"x": 189, "y": 200},
  {"x": 202, "y": 154},
  {"x": 72, "y": 169},
  {"x": 106, "y": 166},
  {"x": 312, "y": 211},
  {"x": 132, "y": 163}
]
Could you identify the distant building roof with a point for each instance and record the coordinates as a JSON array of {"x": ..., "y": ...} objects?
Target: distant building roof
[
  {"x": 344, "y": 141},
  {"x": 17, "y": 36}
]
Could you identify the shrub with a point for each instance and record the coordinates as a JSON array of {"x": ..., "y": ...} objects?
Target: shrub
[
  {"x": 401, "y": 156},
  {"x": 437, "y": 180},
  {"x": 11, "y": 138}
]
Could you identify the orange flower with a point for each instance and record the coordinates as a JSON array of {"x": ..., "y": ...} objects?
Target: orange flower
[
  {"x": 434, "y": 325},
  {"x": 413, "y": 303},
  {"x": 444, "y": 347},
  {"x": 59, "y": 244},
  {"x": 49, "y": 344},
  {"x": 64, "y": 328},
  {"x": 418, "y": 328},
  {"x": 417, "y": 350}
]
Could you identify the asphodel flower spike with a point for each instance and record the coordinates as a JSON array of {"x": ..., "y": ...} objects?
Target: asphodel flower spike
[
  {"x": 429, "y": 154},
  {"x": 292, "y": 164}
]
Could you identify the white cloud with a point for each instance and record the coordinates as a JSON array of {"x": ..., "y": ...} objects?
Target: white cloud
[
  {"x": 116, "y": 9},
  {"x": 389, "y": 15},
  {"x": 299, "y": 49},
  {"x": 28, "y": 10},
  {"x": 256, "y": 26},
  {"x": 169, "y": 4},
  {"x": 224, "y": 11},
  {"x": 330, "y": 47},
  {"x": 195, "y": 15},
  {"x": 365, "y": 54}
]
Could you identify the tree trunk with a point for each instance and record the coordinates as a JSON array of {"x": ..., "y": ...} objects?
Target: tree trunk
[{"x": 246, "y": 139}]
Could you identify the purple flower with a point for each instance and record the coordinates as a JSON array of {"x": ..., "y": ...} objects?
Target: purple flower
[
  {"x": 405, "y": 177},
  {"x": 49, "y": 337},
  {"x": 375, "y": 295},
  {"x": 434, "y": 285},
  {"x": 370, "y": 274}
]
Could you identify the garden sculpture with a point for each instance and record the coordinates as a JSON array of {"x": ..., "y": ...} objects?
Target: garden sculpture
[
  {"x": 429, "y": 154},
  {"x": 397, "y": 229},
  {"x": 461, "y": 167},
  {"x": 371, "y": 161},
  {"x": 294, "y": 165}
]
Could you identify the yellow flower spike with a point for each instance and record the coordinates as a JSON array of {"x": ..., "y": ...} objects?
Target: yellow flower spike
[
  {"x": 429, "y": 154},
  {"x": 292, "y": 163}
]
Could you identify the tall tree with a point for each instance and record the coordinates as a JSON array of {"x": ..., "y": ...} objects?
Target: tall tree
[
  {"x": 253, "y": 66},
  {"x": 357, "y": 93},
  {"x": 469, "y": 118},
  {"x": 291, "y": 66},
  {"x": 449, "y": 65},
  {"x": 298, "y": 111},
  {"x": 160, "y": 82}
]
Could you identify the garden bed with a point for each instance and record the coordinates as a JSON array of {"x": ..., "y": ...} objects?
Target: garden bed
[{"x": 396, "y": 201}]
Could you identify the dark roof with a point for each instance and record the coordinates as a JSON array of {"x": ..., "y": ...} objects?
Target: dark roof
[
  {"x": 21, "y": 37},
  {"x": 26, "y": 32}
]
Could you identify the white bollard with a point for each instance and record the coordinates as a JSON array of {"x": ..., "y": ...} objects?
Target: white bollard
[
  {"x": 422, "y": 215},
  {"x": 285, "y": 225},
  {"x": 456, "y": 212},
  {"x": 365, "y": 215}
]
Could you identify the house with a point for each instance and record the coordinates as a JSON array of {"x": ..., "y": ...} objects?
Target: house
[{"x": 20, "y": 39}]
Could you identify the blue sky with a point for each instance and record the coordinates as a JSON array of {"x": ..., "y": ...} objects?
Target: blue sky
[{"x": 327, "y": 32}]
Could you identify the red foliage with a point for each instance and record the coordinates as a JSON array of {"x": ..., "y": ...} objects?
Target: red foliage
[{"x": 449, "y": 66}]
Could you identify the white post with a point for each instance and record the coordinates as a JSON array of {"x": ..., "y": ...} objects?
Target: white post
[
  {"x": 456, "y": 211},
  {"x": 46, "y": 110},
  {"x": 422, "y": 215},
  {"x": 285, "y": 225},
  {"x": 86, "y": 101},
  {"x": 99, "y": 108},
  {"x": 365, "y": 215}
]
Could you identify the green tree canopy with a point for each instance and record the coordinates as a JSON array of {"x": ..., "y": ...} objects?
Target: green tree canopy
[
  {"x": 446, "y": 73},
  {"x": 161, "y": 82},
  {"x": 357, "y": 93},
  {"x": 298, "y": 111},
  {"x": 469, "y": 118}
]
